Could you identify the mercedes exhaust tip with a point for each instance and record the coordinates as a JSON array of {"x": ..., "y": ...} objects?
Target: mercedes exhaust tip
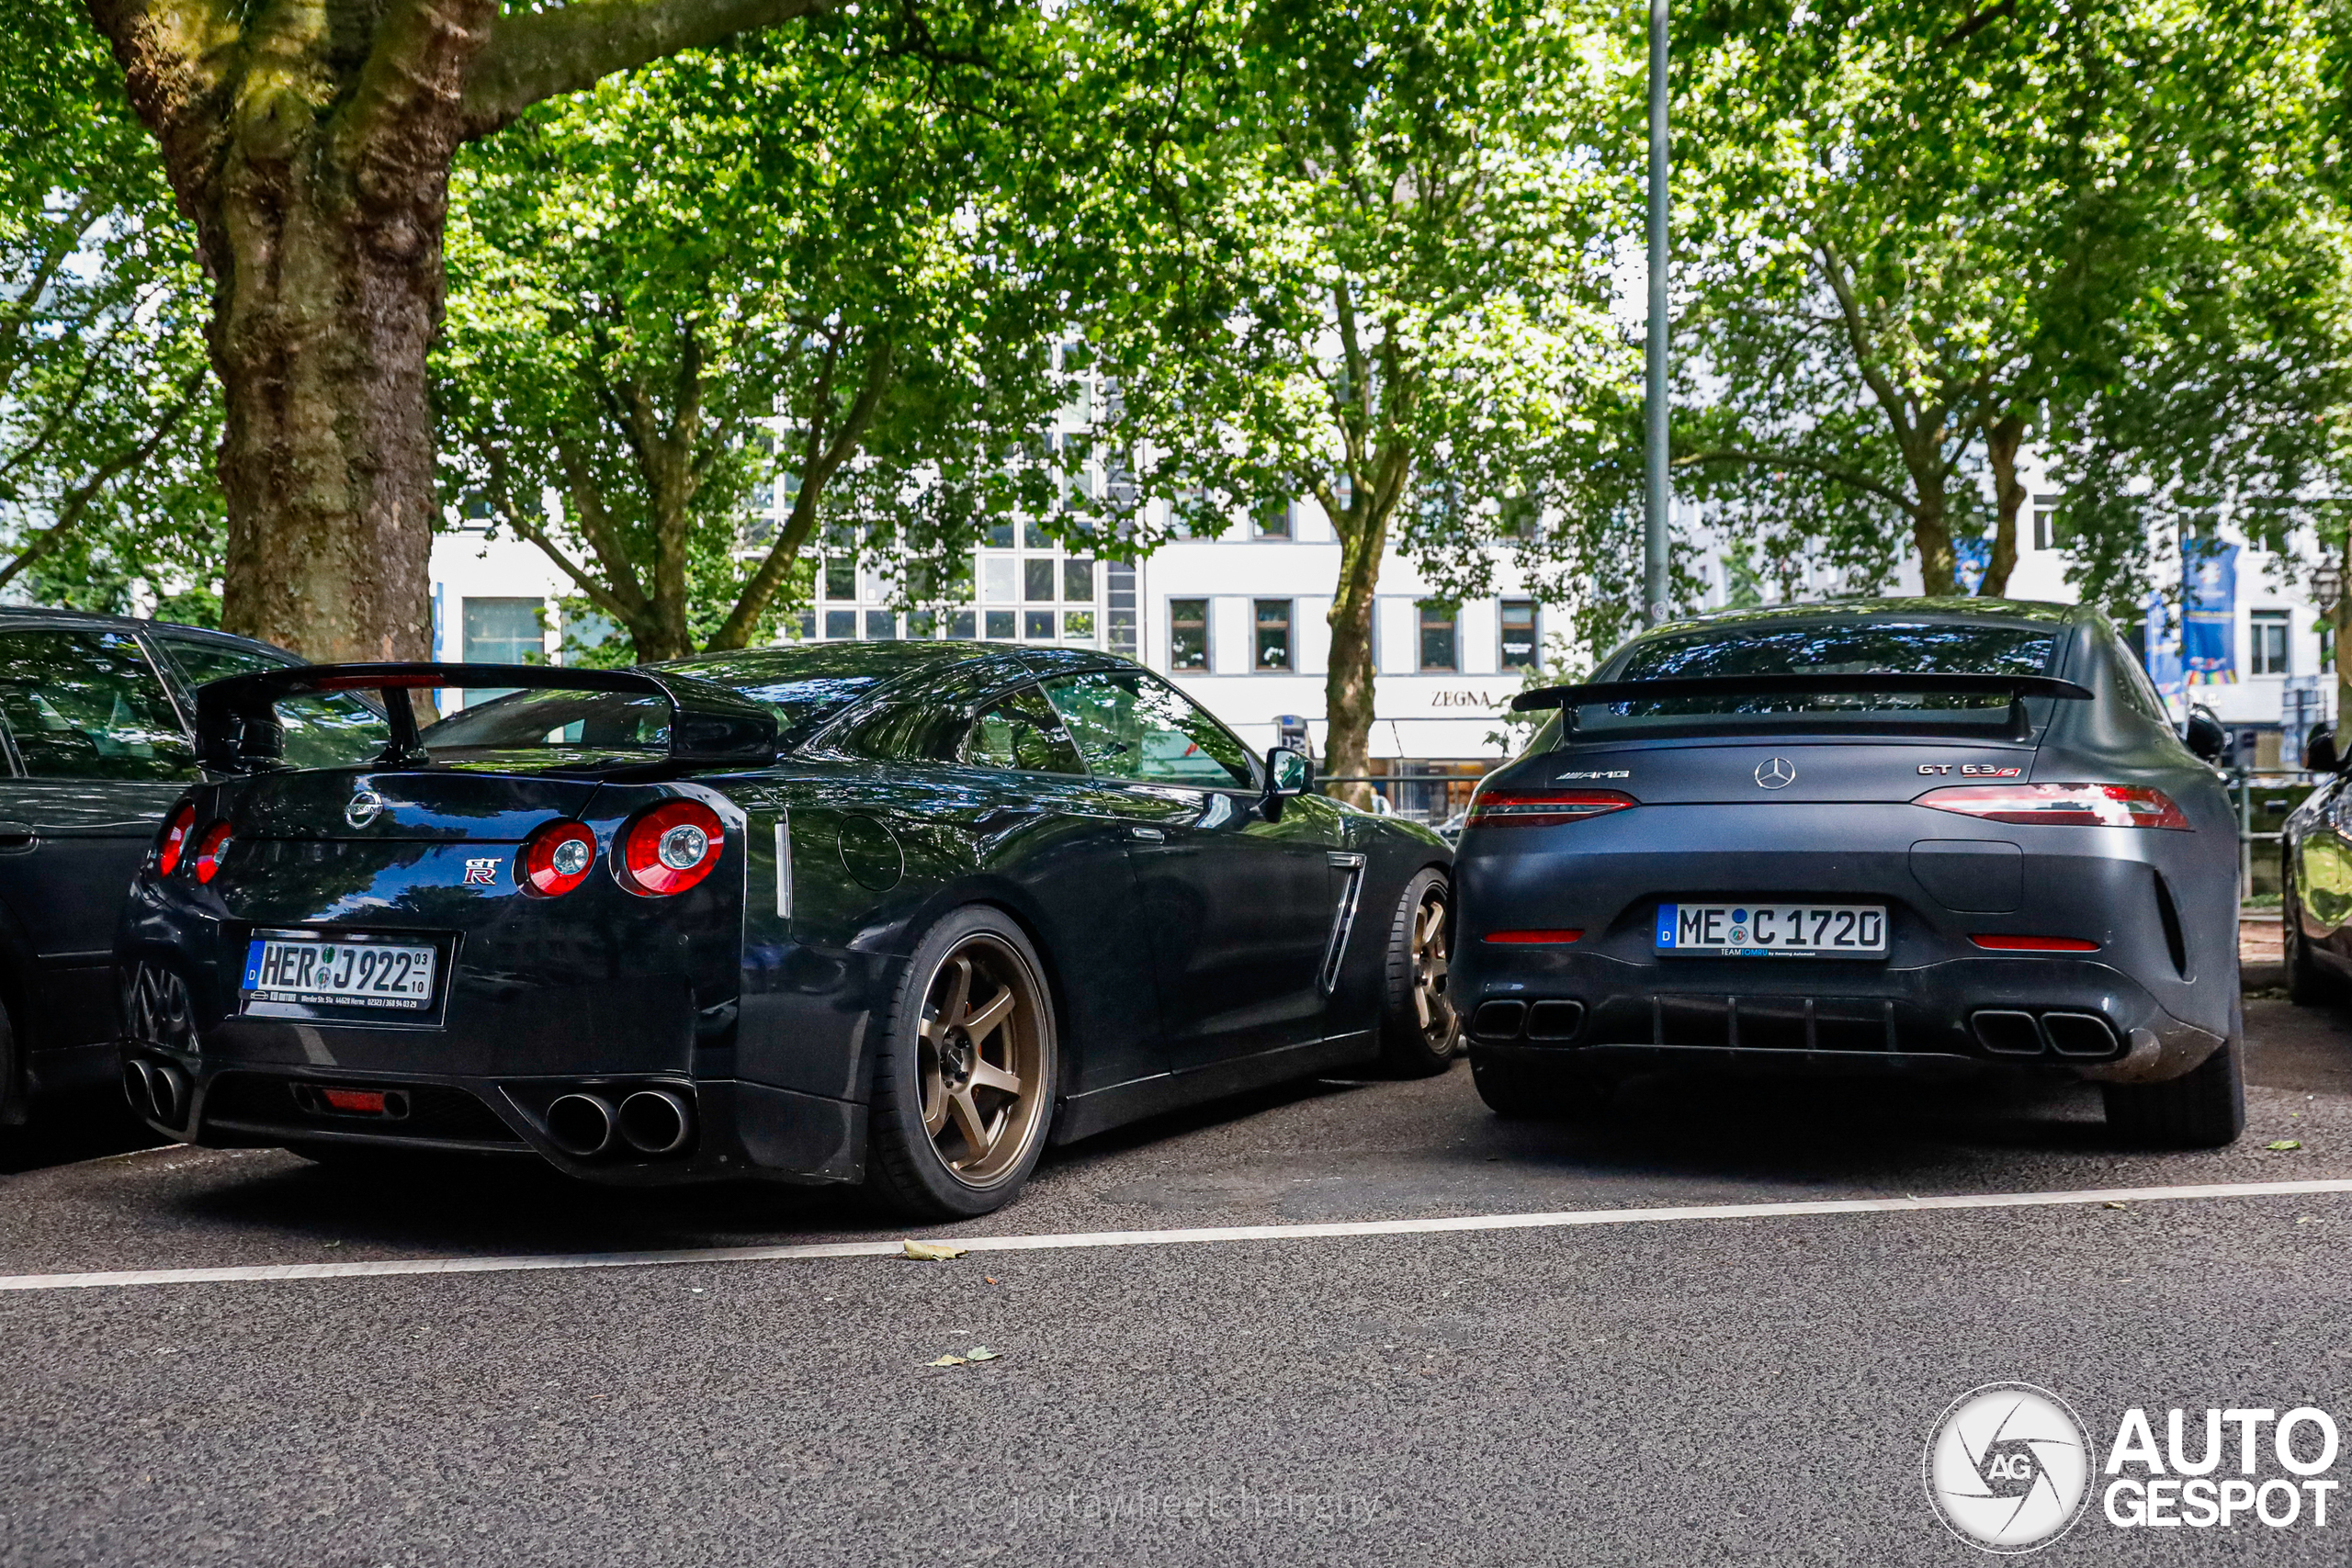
[
  {"x": 656, "y": 1122},
  {"x": 582, "y": 1125}
]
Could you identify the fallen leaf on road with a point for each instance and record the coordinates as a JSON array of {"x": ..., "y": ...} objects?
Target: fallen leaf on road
[
  {"x": 2307, "y": 1219},
  {"x": 2283, "y": 1144},
  {"x": 992, "y": 1278},
  {"x": 932, "y": 1251},
  {"x": 982, "y": 1353},
  {"x": 946, "y": 1362},
  {"x": 2114, "y": 1206}
]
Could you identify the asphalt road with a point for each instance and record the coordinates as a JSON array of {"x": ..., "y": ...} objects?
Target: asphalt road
[{"x": 1663, "y": 1392}]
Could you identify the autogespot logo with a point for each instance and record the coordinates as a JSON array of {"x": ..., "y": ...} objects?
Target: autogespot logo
[
  {"x": 1776, "y": 773},
  {"x": 2008, "y": 1467}
]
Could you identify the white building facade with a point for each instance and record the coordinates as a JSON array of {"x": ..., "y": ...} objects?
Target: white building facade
[{"x": 1240, "y": 623}]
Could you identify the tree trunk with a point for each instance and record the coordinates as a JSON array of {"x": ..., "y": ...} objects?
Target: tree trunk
[
  {"x": 1932, "y": 536},
  {"x": 320, "y": 328},
  {"x": 2342, "y": 629},
  {"x": 2001, "y": 443},
  {"x": 1348, "y": 694}
]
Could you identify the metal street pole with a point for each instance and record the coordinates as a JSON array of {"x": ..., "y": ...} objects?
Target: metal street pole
[{"x": 1654, "y": 601}]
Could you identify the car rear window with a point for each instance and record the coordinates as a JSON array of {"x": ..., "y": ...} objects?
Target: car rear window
[{"x": 1908, "y": 648}]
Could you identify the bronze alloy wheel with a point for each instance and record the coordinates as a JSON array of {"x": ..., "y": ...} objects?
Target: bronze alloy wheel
[
  {"x": 1431, "y": 1006},
  {"x": 981, "y": 1061}
]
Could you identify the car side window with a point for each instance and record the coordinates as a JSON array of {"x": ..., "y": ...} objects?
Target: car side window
[
  {"x": 1130, "y": 724},
  {"x": 324, "y": 730},
  {"x": 2138, "y": 690},
  {"x": 1021, "y": 730},
  {"x": 89, "y": 705}
]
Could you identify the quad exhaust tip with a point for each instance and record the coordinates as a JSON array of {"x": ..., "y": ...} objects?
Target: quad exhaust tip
[
  {"x": 582, "y": 1125},
  {"x": 654, "y": 1122},
  {"x": 155, "y": 1091},
  {"x": 2006, "y": 1031}
]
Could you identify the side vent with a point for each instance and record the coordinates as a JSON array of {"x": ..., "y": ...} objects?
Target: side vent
[{"x": 2174, "y": 943}]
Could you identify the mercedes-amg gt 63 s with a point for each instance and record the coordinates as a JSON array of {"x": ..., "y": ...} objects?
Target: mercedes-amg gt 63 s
[
  {"x": 1932, "y": 836},
  {"x": 896, "y": 913}
]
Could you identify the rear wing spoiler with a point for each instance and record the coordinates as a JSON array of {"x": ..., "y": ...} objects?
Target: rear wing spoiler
[
  {"x": 2016, "y": 688},
  {"x": 237, "y": 728}
]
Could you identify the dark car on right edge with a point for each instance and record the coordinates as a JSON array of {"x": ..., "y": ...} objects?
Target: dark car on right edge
[{"x": 1926, "y": 836}]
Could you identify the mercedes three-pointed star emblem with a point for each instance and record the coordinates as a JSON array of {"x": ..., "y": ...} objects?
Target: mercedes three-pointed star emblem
[{"x": 1776, "y": 773}]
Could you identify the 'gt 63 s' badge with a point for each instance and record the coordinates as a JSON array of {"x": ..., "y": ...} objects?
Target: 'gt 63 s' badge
[{"x": 482, "y": 872}]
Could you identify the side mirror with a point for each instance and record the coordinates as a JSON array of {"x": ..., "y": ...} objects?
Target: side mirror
[
  {"x": 2204, "y": 735},
  {"x": 1288, "y": 773},
  {"x": 2319, "y": 751}
]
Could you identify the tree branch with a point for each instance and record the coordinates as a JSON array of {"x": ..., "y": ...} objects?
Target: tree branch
[
  {"x": 400, "y": 122},
  {"x": 78, "y": 501},
  {"x": 543, "y": 54},
  {"x": 175, "y": 56},
  {"x": 1831, "y": 471}
]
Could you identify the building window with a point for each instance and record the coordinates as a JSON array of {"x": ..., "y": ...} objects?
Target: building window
[
  {"x": 1033, "y": 537},
  {"x": 921, "y": 624},
  {"x": 1188, "y": 634},
  {"x": 1000, "y": 535},
  {"x": 1119, "y": 592},
  {"x": 1037, "y": 625},
  {"x": 2050, "y": 533},
  {"x": 960, "y": 625},
  {"x": 840, "y": 577},
  {"x": 503, "y": 631},
  {"x": 841, "y": 624},
  {"x": 1037, "y": 581},
  {"x": 1077, "y": 626},
  {"x": 997, "y": 578},
  {"x": 1437, "y": 637},
  {"x": 1000, "y": 625},
  {"x": 2269, "y": 648},
  {"x": 881, "y": 626},
  {"x": 1078, "y": 582},
  {"x": 1273, "y": 520},
  {"x": 1272, "y": 634},
  {"x": 1519, "y": 642}
]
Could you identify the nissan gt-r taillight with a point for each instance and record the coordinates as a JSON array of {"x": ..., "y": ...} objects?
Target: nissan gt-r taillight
[
  {"x": 167, "y": 859},
  {"x": 2060, "y": 804},
  {"x": 1543, "y": 808},
  {"x": 670, "y": 848},
  {"x": 209, "y": 850},
  {"x": 557, "y": 859}
]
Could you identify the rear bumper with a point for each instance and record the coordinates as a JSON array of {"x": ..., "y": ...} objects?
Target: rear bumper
[
  {"x": 739, "y": 1130},
  {"x": 2081, "y": 1018}
]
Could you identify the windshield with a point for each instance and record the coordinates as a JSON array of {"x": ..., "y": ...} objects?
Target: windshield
[
  {"x": 1850, "y": 647},
  {"x": 593, "y": 721}
]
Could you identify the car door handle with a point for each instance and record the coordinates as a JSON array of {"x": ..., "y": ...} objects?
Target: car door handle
[
  {"x": 1148, "y": 835},
  {"x": 17, "y": 836}
]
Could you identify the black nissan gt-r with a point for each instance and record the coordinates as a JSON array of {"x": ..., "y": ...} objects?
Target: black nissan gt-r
[
  {"x": 888, "y": 912},
  {"x": 1930, "y": 836}
]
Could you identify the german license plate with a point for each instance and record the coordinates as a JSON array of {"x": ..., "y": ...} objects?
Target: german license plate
[
  {"x": 365, "y": 972},
  {"x": 1772, "y": 930}
]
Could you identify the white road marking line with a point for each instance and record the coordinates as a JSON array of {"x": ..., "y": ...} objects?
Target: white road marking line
[{"x": 240, "y": 1273}]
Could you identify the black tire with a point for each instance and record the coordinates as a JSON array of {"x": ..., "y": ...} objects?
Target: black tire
[
  {"x": 1519, "y": 1091},
  {"x": 1419, "y": 1031},
  {"x": 907, "y": 1170},
  {"x": 2308, "y": 985},
  {"x": 2203, "y": 1109}
]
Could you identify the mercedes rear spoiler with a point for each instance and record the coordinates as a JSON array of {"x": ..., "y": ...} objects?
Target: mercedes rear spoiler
[
  {"x": 237, "y": 728},
  {"x": 2016, "y": 688}
]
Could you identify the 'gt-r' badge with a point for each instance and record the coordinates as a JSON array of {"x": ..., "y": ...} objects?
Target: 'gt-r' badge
[
  {"x": 1776, "y": 773},
  {"x": 482, "y": 872}
]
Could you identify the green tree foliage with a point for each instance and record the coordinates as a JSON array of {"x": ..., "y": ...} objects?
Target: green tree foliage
[
  {"x": 106, "y": 417},
  {"x": 1360, "y": 253},
  {"x": 1921, "y": 233},
  {"x": 799, "y": 263}
]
